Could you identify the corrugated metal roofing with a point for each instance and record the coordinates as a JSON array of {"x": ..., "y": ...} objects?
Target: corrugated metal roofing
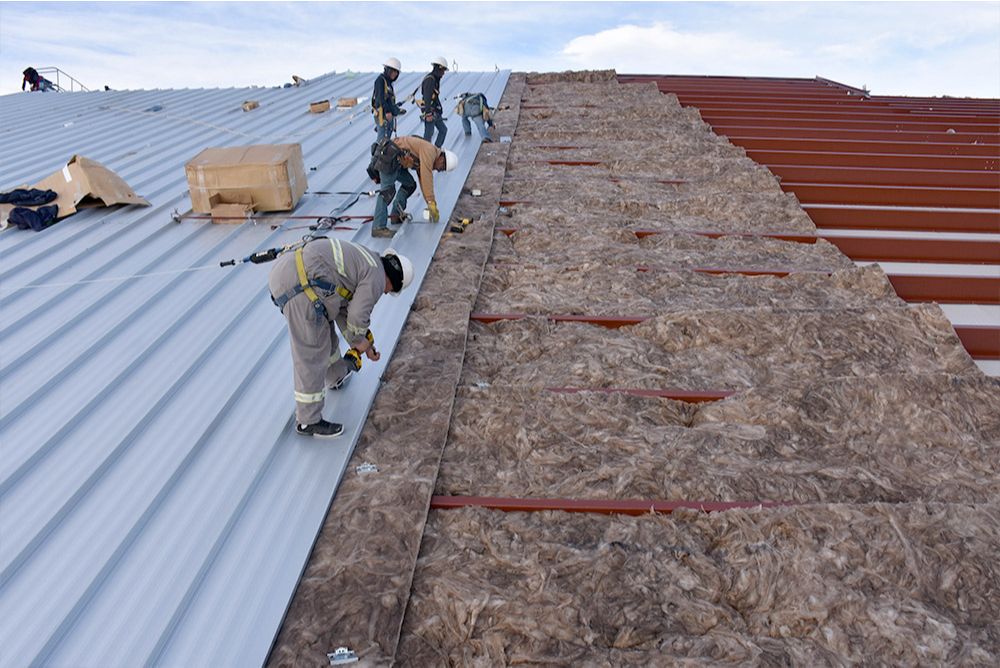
[
  {"x": 869, "y": 163},
  {"x": 155, "y": 503}
]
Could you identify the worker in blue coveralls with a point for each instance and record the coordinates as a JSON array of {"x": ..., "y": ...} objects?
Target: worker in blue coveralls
[
  {"x": 384, "y": 107},
  {"x": 430, "y": 105}
]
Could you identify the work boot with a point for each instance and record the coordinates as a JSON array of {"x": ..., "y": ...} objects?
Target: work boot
[
  {"x": 383, "y": 232},
  {"x": 399, "y": 218},
  {"x": 321, "y": 429}
]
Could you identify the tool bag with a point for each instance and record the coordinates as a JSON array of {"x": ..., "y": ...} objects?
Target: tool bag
[
  {"x": 385, "y": 158},
  {"x": 471, "y": 104}
]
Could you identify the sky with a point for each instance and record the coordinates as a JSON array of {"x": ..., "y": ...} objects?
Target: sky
[{"x": 892, "y": 48}]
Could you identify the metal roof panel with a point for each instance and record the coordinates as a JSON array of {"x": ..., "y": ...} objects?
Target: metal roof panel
[{"x": 155, "y": 503}]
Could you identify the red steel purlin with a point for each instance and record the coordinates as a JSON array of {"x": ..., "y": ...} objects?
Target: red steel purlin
[
  {"x": 687, "y": 396},
  {"x": 603, "y": 506},
  {"x": 902, "y": 152}
]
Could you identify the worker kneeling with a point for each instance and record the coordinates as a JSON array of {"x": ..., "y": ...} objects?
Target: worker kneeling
[
  {"x": 391, "y": 161},
  {"x": 324, "y": 283}
]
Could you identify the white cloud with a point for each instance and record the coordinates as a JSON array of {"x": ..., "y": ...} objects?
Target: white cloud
[
  {"x": 660, "y": 48},
  {"x": 895, "y": 48}
]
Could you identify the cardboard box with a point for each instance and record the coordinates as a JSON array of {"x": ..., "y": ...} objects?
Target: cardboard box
[
  {"x": 347, "y": 102},
  {"x": 319, "y": 107},
  {"x": 250, "y": 105},
  {"x": 83, "y": 183},
  {"x": 266, "y": 177},
  {"x": 231, "y": 214}
]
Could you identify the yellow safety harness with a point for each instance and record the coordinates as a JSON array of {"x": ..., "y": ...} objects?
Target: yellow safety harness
[{"x": 308, "y": 287}]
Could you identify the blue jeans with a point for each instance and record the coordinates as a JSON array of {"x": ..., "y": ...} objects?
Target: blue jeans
[
  {"x": 387, "y": 192},
  {"x": 478, "y": 120},
  {"x": 385, "y": 130},
  {"x": 442, "y": 129}
]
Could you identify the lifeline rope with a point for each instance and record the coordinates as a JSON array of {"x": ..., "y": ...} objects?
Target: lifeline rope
[
  {"x": 185, "y": 119},
  {"x": 109, "y": 279},
  {"x": 323, "y": 223}
]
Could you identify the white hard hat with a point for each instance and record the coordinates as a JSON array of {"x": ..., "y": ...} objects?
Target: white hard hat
[
  {"x": 450, "y": 160},
  {"x": 393, "y": 63},
  {"x": 406, "y": 266},
  {"x": 440, "y": 60}
]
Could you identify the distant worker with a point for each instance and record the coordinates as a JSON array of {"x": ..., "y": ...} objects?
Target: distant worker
[
  {"x": 391, "y": 160},
  {"x": 35, "y": 80},
  {"x": 474, "y": 107},
  {"x": 430, "y": 104},
  {"x": 324, "y": 283},
  {"x": 384, "y": 106}
]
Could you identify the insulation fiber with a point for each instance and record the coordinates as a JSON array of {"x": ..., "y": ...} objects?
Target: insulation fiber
[
  {"x": 906, "y": 584},
  {"x": 526, "y": 443},
  {"x": 579, "y": 287},
  {"x": 731, "y": 349}
]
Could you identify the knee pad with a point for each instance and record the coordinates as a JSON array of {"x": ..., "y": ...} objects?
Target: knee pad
[
  {"x": 388, "y": 193},
  {"x": 408, "y": 189}
]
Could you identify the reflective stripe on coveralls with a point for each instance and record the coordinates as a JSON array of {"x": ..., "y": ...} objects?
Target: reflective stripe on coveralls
[
  {"x": 313, "y": 398},
  {"x": 338, "y": 258}
]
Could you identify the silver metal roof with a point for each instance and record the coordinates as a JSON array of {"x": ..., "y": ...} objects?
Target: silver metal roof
[{"x": 155, "y": 503}]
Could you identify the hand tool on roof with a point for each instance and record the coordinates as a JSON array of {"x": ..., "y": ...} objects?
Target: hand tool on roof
[{"x": 460, "y": 225}]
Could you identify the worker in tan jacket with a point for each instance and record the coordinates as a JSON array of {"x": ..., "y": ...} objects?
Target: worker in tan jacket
[{"x": 391, "y": 161}]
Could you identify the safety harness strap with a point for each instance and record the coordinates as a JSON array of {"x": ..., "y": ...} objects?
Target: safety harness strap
[
  {"x": 306, "y": 286},
  {"x": 300, "y": 267}
]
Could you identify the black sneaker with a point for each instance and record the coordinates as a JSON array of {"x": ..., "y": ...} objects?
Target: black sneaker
[{"x": 321, "y": 429}]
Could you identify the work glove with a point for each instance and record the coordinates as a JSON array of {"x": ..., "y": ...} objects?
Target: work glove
[
  {"x": 432, "y": 207},
  {"x": 353, "y": 359},
  {"x": 401, "y": 112},
  {"x": 371, "y": 353}
]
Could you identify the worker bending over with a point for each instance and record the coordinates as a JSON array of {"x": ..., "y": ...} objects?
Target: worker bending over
[
  {"x": 391, "y": 161},
  {"x": 324, "y": 283},
  {"x": 474, "y": 107},
  {"x": 384, "y": 107},
  {"x": 431, "y": 103}
]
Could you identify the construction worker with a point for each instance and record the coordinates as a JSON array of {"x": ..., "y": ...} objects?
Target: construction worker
[
  {"x": 329, "y": 282},
  {"x": 35, "y": 80},
  {"x": 473, "y": 108},
  {"x": 430, "y": 90},
  {"x": 391, "y": 161},
  {"x": 384, "y": 107}
]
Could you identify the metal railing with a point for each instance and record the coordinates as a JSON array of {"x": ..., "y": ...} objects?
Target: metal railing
[{"x": 60, "y": 80}]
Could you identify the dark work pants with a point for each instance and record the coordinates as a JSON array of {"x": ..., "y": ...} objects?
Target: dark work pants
[{"x": 442, "y": 129}]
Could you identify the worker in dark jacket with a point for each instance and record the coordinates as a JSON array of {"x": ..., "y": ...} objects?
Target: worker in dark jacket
[
  {"x": 325, "y": 285},
  {"x": 384, "y": 107},
  {"x": 35, "y": 80},
  {"x": 431, "y": 102}
]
